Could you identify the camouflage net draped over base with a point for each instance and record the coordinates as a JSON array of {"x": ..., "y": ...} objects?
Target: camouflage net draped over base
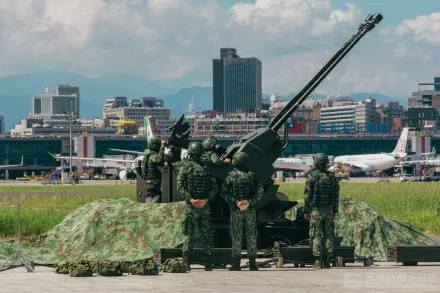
[
  {"x": 124, "y": 230},
  {"x": 369, "y": 232},
  {"x": 117, "y": 230}
]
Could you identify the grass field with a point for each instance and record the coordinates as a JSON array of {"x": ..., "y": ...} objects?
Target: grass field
[{"x": 43, "y": 207}]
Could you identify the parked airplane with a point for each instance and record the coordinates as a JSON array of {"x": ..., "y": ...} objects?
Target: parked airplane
[
  {"x": 375, "y": 162},
  {"x": 127, "y": 166},
  {"x": 291, "y": 164},
  {"x": 3, "y": 167}
]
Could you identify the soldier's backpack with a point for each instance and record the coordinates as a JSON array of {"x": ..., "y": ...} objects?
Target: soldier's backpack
[
  {"x": 109, "y": 268},
  {"x": 173, "y": 265},
  {"x": 81, "y": 269},
  {"x": 324, "y": 190},
  {"x": 144, "y": 268},
  {"x": 199, "y": 181},
  {"x": 62, "y": 268},
  {"x": 244, "y": 186}
]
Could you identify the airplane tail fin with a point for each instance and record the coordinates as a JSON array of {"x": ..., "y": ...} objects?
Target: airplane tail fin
[{"x": 401, "y": 143}]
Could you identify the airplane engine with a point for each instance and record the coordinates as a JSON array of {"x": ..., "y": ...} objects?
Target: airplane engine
[
  {"x": 123, "y": 175},
  {"x": 332, "y": 168}
]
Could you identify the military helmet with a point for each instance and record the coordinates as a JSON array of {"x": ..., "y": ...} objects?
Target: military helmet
[
  {"x": 321, "y": 159},
  {"x": 240, "y": 159},
  {"x": 154, "y": 144},
  {"x": 196, "y": 148},
  {"x": 208, "y": 144}
]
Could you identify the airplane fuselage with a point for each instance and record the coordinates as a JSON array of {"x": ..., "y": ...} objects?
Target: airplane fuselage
[
  {"x": 291, "y": 164},
  {"x": 369, "y": 163}
]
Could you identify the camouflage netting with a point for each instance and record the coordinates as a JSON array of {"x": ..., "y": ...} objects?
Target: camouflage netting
[
  {"x": 369, "y": 232},
  {"x": 124, "y": 230},
  {"x": 118, "y": 230}
]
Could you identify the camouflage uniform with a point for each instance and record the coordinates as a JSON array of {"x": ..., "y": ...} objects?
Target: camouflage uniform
[
  {"x": 195, "y": 182},
  {"x": 242, "y": 185},
  {"x": 150, "y": 172},
  {"x": 210, "y": 155},
  {"x": 174, "y": 155},
  {"x": 321, "y": 197}
]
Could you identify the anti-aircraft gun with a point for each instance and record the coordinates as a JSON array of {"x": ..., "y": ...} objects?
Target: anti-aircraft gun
[{"x": 263, "y": 147}]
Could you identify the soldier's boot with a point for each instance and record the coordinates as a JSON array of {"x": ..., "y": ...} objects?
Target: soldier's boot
[
  {"x": 208, "y": 263},
  {"x": 327, "y": 261},
  {"x": 236, "y": 266},
  {"x": 186, "y": 262},
  {"x": 318, "y": 263},
  {"x": 252, "y": 264}
]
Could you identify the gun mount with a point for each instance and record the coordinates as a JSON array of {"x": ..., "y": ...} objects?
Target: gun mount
[{"x": 263, "y": 147}]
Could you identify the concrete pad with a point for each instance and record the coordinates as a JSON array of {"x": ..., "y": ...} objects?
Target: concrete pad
[{"x": 382, "y": 277}]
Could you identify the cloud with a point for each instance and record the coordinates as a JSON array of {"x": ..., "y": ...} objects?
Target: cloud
[{"x": 173, "y": 42}]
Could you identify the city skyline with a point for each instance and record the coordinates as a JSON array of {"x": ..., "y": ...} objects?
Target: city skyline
[{"x": 292, "y": 38}]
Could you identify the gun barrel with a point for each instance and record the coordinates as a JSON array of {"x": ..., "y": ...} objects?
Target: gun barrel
[{"x": 367, "y": 25}]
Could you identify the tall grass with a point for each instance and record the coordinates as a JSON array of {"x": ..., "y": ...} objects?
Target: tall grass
[
  {"x": 412, "y": 202},
  {"x": 44, "y": 207}
]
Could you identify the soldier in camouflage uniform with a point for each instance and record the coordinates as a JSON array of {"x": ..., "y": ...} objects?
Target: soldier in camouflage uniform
[
  {"x": 242, "y": 191},
  {"x": 150, "y": 172},
  {"x": 321, "y": 201},
  {"x": 174, "y": 155},
  {"x": 210, "y": 154},
  {"x": 198, "y": 187}
]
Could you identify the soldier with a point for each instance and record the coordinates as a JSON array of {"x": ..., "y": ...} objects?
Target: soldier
[
  {"x": 150, "y": 172},
  {"x": 321, "y": 200},
  {"x": 174, "y": 155},
  {"x": 198, "y": 187},
  {"x": 210, "y": 154},
  {"x": 242, "y": 191}
]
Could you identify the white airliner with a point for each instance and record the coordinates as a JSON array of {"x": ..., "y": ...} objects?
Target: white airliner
[
  {"x": 375, "y": 162},
  {"x": 3, "y": 167},
  {"x": 126, "y": 165},
  {"x": 291, "y": 164}
]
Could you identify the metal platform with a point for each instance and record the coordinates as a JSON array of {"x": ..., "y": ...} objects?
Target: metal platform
[
  {"x": 411, "y": 255},
  {"x": 221, "y": 257},
  {"x": 304, "y": 255}
]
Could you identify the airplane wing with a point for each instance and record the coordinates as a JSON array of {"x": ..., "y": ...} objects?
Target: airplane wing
[
  {"x": 12, "y": 166},
  {"x": 92, "y": 159},
  {"x": 129, "y": 152}
]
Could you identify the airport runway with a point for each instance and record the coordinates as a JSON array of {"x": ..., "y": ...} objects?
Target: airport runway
[{"x": 382, "y": 277}]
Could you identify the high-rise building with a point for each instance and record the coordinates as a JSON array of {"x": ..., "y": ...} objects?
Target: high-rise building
[
  {"x": 65, "y": 90},
  {"x": 2, "y": 124},
  {"x": 56, "y": 100},
  {"x": 437, "y": 84},
  {"x": 237, "y": 83}
]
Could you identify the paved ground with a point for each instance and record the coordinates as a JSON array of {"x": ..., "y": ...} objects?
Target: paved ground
[{"x": 383, "y": 277}]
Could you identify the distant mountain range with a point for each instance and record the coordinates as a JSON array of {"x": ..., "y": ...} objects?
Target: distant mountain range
[{"x": 16, "y": 90}]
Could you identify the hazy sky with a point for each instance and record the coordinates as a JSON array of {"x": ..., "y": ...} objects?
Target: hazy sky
[{"x": 174, "y": 41}]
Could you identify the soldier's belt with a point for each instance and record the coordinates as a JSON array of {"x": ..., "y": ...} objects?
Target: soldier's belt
[{"x": 153, "y": 181}]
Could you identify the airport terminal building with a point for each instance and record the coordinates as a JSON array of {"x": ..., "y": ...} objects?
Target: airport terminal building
[{"x": 35, "y": 149}]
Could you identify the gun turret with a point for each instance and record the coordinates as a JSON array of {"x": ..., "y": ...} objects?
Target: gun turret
[{"x": 263, "y": 145}]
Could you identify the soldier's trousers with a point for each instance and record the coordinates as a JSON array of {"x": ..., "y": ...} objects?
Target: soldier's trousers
[
  {"x": 244, "y": 221},
  {"x": 322, "y": 231},
  {"x": 201, "y": 219}
]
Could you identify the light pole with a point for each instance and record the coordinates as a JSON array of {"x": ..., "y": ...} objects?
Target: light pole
[{"x": 70, "y": 140}]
